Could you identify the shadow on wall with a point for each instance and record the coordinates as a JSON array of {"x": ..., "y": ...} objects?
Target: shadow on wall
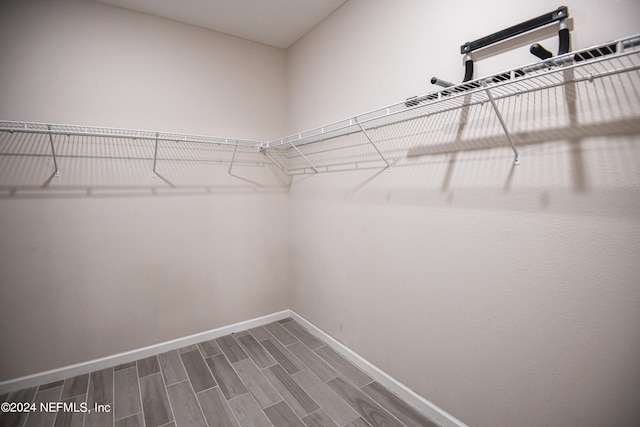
[{"x": 106, "y": 166}]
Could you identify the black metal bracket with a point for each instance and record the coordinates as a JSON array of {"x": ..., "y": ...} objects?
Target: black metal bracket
[{"x": 561, "y": 13}]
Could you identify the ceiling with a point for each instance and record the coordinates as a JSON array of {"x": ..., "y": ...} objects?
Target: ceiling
[{"x": 278, "y": 23}]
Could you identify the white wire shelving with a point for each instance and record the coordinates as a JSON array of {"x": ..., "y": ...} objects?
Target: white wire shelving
[
  {"x": 76, "y": 130},
  {"x": 607, "y": 59},
  {"x": 619, "y": 56},
  {"x": 119, "y": 133}
]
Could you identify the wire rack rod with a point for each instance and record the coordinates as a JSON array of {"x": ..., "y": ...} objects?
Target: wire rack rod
[
  {"x": 58, "y": 129},
  {"x": 609, "y": 58}
]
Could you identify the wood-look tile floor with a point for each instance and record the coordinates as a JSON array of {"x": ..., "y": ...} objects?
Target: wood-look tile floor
[{"x": 274, "y": 375}]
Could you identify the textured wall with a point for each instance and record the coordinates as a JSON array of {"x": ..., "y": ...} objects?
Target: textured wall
[
  {"x": 105, "y": 258},
  {"x": 80, "y": 62},
  {"x": 505, "y": 295},
  {"x": 88, "y": 277}
]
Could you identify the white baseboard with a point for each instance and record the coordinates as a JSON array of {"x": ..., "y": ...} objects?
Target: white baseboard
[
  {"x": 133, "y": 355},
  {"x": 429, "y": 409}
]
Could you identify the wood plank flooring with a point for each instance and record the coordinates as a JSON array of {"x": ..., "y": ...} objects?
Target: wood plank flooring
[{"x": 274, "y": 375}]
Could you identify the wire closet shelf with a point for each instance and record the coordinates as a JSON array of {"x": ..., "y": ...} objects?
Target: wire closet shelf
[
  {"x": 619, "y": 56},
  {"x": 76, "y": 130},
  {"x": 610, "y": 58}
]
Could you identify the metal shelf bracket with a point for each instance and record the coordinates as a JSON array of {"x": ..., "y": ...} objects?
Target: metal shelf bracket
[
  {"x": 53, "y": 152},
  {"x": 155, "y": 157},
  {"x": 373, "y": 143},
  {"x": 305, "y": 158},
  {"x": 516, "y": 159},
  {"x": 233, "y": 158}
]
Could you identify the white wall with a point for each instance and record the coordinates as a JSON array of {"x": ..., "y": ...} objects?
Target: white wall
[
  {"x": 80, "y": 62},
  {"x": 88, "y": 277},
  {"x": 506, "y": 296},
  {"x": 105, "y": 258}
]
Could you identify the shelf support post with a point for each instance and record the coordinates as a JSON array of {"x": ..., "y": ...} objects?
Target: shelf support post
[
  {"x": 373, "y": 143},
  {"x": 516, "y": 158},
  {"x": 53, "y": 152},
  {"x": 155, "y": 157},
  {"x": 305, "y": 158},
  {"x": 233, "y": 158}
]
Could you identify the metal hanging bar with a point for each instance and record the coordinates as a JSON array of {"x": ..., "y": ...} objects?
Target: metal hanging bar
[
  {"x": 53, "y": 151},
  {"x": 557, "y": 15},
  {"x": 516, "y": 158},
  {"x": 373, "y": 143},
  {"x": 305, "y": 158},
  {"x": 233, "y": 158},
  {"x": 155, "y": 157}
]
